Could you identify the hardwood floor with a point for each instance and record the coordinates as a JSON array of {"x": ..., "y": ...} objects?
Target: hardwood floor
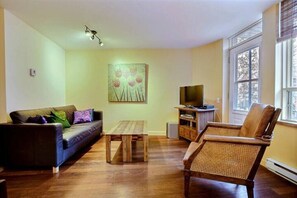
[{"x": 88, "y": 175}]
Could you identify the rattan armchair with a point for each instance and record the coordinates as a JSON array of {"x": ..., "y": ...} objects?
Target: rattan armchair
[{"x": 231, "y": 153}]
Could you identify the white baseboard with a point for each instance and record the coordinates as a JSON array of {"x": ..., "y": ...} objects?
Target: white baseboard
[
  {"x": 157, "y": 133},
  {"x": 282, "y": 170}
]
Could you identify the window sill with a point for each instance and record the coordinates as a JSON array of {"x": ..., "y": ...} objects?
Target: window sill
[{"x": 287, "y": 123}]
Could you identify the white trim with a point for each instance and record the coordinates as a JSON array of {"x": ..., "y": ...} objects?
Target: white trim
[
  {"x": 157, "y": 133},
  {"x": 246, "y": 41},
  {"x": 282, "y": 170},
  {"x": 284, "y": 65}
]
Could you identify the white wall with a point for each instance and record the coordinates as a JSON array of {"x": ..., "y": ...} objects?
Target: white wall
[
  {"x": 268, "y": 55},
  {"x": 284, "y": 144},
  {"x": 26, "y": 48},
  {"x": 207, "y": 70},
  {"x": 2, "y": 70},
  {"x": 168, "y": 69}
]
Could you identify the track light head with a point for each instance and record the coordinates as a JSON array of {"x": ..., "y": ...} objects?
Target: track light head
[
  {"x": 92, "y": 34},
  {"x": 88, "y": 32}
]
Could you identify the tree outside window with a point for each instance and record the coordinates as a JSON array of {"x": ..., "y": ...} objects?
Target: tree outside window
[{"x": 246, "y": 87}]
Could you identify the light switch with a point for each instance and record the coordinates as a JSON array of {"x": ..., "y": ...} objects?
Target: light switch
[{"x": 32, "y": 72}]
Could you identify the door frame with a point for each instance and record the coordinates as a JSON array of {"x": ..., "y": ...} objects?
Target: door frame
[{"x": 238, "y": 116}]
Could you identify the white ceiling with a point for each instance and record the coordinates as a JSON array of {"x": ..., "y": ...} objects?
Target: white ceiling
[{"x": 137, "y": 23}]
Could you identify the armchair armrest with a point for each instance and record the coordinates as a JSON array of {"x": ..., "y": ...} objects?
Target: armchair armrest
[
  {"x": 191, "y": 149},
  {"x": 218, "y": 128},
  {"x": 223, "y": 125},
  {"x": 232, "y": 139}
]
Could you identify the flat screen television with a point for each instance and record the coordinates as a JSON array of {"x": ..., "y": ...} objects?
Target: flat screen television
[{"x": 191, "y": 96}]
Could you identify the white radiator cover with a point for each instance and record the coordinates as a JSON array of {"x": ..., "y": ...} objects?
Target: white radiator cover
[{"x": 282, "y": 170}]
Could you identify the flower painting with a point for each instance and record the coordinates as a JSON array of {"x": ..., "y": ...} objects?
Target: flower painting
[{"x": 127, "y": 82}]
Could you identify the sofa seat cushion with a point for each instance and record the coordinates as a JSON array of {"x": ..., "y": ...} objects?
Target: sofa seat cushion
[{"x": 78, "y": 132}]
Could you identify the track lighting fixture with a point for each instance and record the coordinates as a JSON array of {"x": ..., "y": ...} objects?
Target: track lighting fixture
[{"x": 92, "y": 34}]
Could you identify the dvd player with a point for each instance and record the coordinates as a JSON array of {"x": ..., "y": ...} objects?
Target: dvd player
[{"x": 206, "y": 106}]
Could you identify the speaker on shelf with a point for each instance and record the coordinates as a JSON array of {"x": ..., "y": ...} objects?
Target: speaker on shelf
[{"x": 172, "y": 130}]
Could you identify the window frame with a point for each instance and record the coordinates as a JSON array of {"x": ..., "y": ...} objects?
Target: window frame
[
  {"x": 249, "y": 80},
  {"x": 233, "y": 43},
  {"x": 254, "y": 39},
  {"x": 286, "y": 89}
]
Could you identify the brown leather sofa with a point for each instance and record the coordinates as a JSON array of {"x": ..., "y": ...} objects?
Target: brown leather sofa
[
  {"x": 25, "y": 144},
  {"x": 3, "y": 190}
]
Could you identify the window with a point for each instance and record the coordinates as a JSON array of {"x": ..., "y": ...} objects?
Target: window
[
  {"x": 289, "y": 79},
  {"x": 246, "y": 34},
  {"x": 287, "y": 52},
  {"x": 246, "y": 87}
]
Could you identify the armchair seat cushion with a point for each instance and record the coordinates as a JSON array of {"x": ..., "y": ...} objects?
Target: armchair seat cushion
[
  {"x": 77, "y": 132},
  {"x": 225, "y": 159}
]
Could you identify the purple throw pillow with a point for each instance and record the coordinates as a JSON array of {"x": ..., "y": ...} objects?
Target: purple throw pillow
[
  {"x": 37, "y": 119},
  {"x": 82, "y": 116}
]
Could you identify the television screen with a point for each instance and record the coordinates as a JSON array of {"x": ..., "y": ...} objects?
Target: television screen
[{"x": 191, "y": 96}]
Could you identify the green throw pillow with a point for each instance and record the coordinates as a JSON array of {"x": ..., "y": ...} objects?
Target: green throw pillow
[{"x": 60, "y": 117}]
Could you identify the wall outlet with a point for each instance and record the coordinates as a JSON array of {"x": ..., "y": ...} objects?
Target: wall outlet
[
  {"x": 32, "y": 72},
  {"x": 218, "y": 100}
]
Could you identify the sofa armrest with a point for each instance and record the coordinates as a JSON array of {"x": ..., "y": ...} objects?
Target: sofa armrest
[
  {"x": 31, "y": 144},
  {"x": 98, "y": 115},
  {"x": 3, "y": 190}
]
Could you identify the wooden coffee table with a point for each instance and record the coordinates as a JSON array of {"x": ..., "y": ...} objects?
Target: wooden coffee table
[{"x": 127, "y": 131}]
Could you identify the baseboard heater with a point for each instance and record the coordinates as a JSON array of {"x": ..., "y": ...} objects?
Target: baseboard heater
[{"x": 282, "y": 170}]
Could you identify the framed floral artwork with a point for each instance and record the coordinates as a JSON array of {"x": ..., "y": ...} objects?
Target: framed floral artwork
[{"x": 127, "y": 82}]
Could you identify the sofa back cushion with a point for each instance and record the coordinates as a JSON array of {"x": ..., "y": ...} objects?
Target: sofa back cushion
[
  {"x": 59, "y": 117},
  {"x": 21, "y": 116},
  {"x": 38, "y": 119},
  {"x": 69, "y": 110}
]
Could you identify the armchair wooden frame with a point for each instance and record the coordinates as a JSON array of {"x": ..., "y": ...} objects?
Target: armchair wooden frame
[{"x": 221, "y": 138}]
